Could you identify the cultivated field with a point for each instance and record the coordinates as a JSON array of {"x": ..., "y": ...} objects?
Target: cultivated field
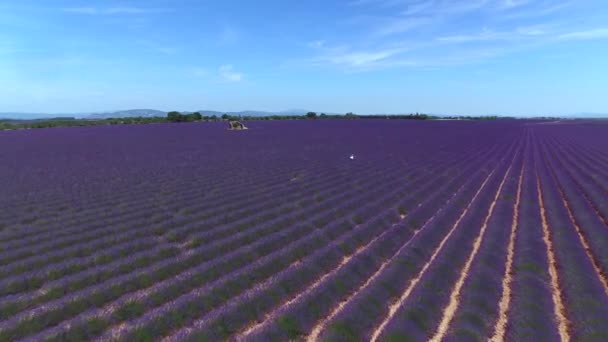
[{"x": 442, "y": 230}]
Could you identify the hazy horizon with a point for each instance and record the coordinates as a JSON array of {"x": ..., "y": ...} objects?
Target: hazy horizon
[{"x": 477, "y": 57}]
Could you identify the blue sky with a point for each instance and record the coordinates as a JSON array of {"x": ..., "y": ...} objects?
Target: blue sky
[{"x": 512, "y": 57}]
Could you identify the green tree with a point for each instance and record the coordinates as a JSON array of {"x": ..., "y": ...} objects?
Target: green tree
[
  {"x": 174, "y": 116},
  {"x": 311, "y": 115}
]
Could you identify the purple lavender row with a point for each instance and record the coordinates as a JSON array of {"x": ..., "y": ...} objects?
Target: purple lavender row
[
  {"x": 41, "y": 274},
  {"x": 590, "y": 223},
  {"x": 581, "y": 283},
  {"x": 113, "y": 198},
  {"x": 208, "y": 266},
  {"x": 589, "y": 167},
  {"x": 156, "y": 313},
  {"x": 205, "y": 318},
  {"x": 157, "y": 266},
  {"x": 589, "y": 151},
  {"x": 531, "y": 315},
  {"x": 174, "y": 224},
  {"x": 235, "y": 195},
  {"x": 341, "y": 280},
  {"x": 592, "y": 165},
  {"x": 367, "y": 309},
  {"x": 589, "y": 187},
  {"x": 100, "y": 206},
  {"x": 24, "y": 246},
  {"x": 62, "y": 282},
  {"x": 44, "y": 160},
  {"x": 67, "y": 245},
  {"x": 212, "y": 207},
  {"x": 582, "y": 140},
  {"x": 432, "y": 292},
  {"x": 273, "y": 207},
  {"x": 482, "y": 291}
]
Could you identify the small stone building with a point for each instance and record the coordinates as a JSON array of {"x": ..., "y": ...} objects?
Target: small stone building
[{"x": 236, "y": 125}]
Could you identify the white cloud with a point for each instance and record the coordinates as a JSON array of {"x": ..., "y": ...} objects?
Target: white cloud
[
  {"x": 227, "y": 73},
  {"x": 228, "y": 36},
  {"x": 159, "y": 48},
  {"x": 482, "y": 36},
  {"x": 81, "y": 10},
  {"x": 534, "y": 30},
  {"x": 447, "y": 32},
  {"x": 113, "y": 10},
  {"x": 199, "y": 72},
  {"x": 316, "y": 44},
  {"x": 508, "y": 4},
  {"x": 600, "y": 33},
  {"x": 400, "y": 25},
  {"x": 360, "y": 59}
]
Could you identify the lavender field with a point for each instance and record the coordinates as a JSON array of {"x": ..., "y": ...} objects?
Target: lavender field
[{"x": 436, "y": 230}]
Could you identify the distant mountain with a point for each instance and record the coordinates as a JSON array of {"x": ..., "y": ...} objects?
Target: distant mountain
[
  {"x": 254, "y": 112},
  {"x": 296, "y": 111},
  {"x": 146, "y": 113},
  {"x": 29, "y": 116},
  {"x": 204, "y": 112},
  {"x": 585, "y": 115},
  {"x": 131, "y": 113}
]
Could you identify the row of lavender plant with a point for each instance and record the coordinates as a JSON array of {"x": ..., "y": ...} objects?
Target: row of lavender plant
[
  {"x": 140, "y": 202},
  {"x": 420, "y": 313},
  {"x": 389, "y": 285},
  {"x": 324, "y": 261},
  {"x": 314, "y": 302},
  {"x": 186, "y": 264},
  {"x": 94, "y": 275},
  {"x": 584, "y": 293},
  {"x": 595, "y": 189},
  {"x": 153, "y": 188},
  {"x": 126, "y": 238},
  {"x": 592, "y": 226},
  {"x": 235, "y": 259},
  {"x": 478, "y": 311},
  {"x": 531, "y": 314},
  {"x": 165, "y": 217}
]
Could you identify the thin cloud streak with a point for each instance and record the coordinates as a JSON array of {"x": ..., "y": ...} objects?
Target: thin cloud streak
[
  {"x": 516, "y": 25},
  {"x": 600, "y": 33},
  {"x": 159, "y": 48},
  {"x": 228, "y": 74},
  {"x": 114, "y": 10}
]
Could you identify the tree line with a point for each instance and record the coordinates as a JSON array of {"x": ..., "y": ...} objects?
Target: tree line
[{"x": 175, "y": 116}]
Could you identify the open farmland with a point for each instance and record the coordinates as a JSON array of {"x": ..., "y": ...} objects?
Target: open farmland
[{"x": 441, "y": 230}]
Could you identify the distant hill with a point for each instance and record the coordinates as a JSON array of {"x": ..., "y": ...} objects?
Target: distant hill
[
  {"x": 253, "y": 112},
  {"x": 30, "y": 116},
  {"x": 26, "y": 120},
  {"x": 204, "y": 112},
  {"x": 147, "y": 113},
  {"x": 585, "y": 115},
  {"x": 131, "y": 113}
]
